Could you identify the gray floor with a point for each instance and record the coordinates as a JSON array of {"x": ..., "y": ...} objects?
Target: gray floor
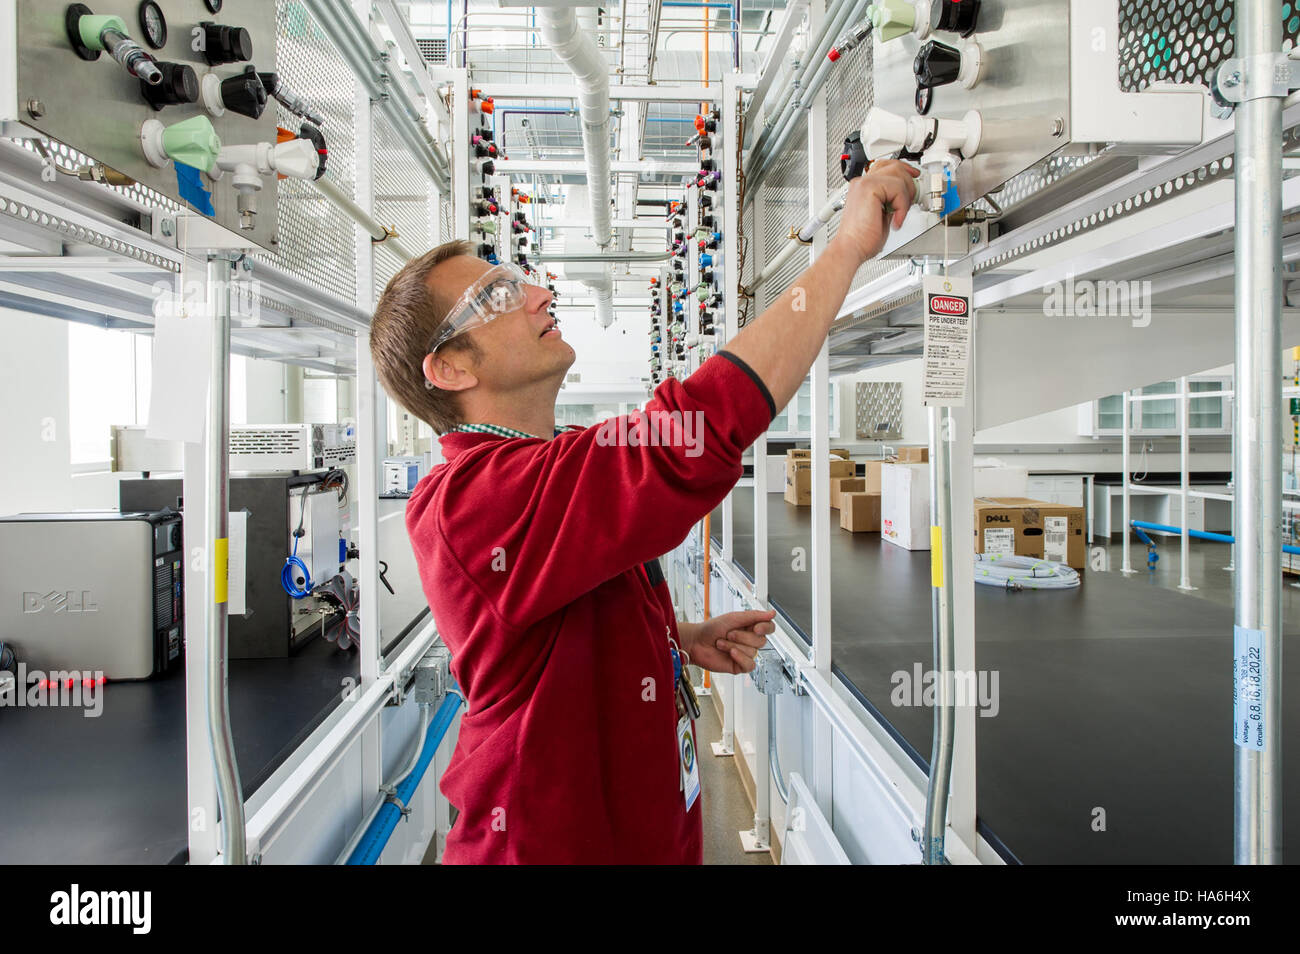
[
  {"x": 727, "y": 809},
  {"x": 1116, "y": 695}
]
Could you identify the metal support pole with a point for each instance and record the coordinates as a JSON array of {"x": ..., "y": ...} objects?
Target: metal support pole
[
  {"x": 1126, "y": 528},
  {"x": 1257, "y": 461},
  {"x": 942, "y": 629},
  {"x": 216, "y": 518},
  {"x": 1185, "y": 412}
]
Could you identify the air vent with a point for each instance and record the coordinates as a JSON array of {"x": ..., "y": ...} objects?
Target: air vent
[{"x": 433, "y": 50}]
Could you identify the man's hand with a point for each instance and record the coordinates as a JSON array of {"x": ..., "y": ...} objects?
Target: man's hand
[
  {"x": 727, "y": 643},
  {"x": 876, "y": 201}
]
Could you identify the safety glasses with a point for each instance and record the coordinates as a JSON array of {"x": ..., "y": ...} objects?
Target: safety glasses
[{"x": 499, "y": 291}]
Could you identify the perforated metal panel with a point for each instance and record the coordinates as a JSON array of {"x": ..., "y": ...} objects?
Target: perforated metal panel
[
  {"x": 316, "y": 241},
  {"x": 1183, "y": 41},
  {"x": 785, "y": 205},
  {"x": 879, "y": 410},
  {"x": 404, "y": 200}
]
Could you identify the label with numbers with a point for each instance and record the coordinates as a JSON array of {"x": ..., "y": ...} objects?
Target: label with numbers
[
  {"x": 1000, "y": 541},
  {"x": 1248, "y": 687}
]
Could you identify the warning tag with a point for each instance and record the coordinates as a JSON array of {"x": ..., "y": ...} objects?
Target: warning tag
[{"x": 945, "y": 365}]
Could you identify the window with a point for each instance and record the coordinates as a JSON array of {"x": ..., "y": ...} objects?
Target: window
[
  {"x": 799, "y": 412},
  {"x": 108, "y": 385}
]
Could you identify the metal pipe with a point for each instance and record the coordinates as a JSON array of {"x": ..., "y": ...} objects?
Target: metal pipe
[
  {"x": 832, "y": 24},
  {"x": 794, "y": 13},
  {"x": 377, "y": 232},
  {"x": 1184, "y": 582},
  {"x": 799, "y": 240},
  {"x": 216, "y": 516},
  {"x": 774, "y": 751},
  {"x": 380, "y": 830},
  {"x": 1126, "y": 566},
  {"x": 1257, "y": 461},
  {"x": 943, "y": 629}
]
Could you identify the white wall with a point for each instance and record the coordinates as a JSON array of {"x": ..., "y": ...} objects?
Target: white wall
[{"x": 1041, "y": 437}]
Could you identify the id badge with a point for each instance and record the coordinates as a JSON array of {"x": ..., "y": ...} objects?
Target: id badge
[{"x": 690, "y": 767}]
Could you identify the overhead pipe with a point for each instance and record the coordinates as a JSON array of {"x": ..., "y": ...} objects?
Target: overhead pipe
[{"x": 579, "y": 53}]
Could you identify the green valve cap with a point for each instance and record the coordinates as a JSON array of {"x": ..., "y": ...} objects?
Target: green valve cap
[
  {"x": 192, "y": 141},
  {"x": 92, "y": 27},
  {"x": 892, "y": 18}
]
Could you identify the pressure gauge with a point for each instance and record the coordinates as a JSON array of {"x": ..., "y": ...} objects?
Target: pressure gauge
[
  {"x": 153, "y": 24},
  {"x": 214, "y": 6}
]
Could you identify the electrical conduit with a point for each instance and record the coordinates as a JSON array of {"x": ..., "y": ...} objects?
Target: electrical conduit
[{"x": 381, "y": 828}]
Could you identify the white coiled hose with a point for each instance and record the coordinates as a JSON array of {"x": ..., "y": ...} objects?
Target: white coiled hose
[{"x": 1023, "y": 573}]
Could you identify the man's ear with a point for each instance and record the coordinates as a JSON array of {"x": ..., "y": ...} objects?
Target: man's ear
[{"x": 450, "y": 372}]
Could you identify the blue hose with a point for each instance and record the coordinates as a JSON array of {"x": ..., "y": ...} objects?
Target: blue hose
[
  {"x": 1139, "y": 525},
  {"x": 375, "y": 839}
]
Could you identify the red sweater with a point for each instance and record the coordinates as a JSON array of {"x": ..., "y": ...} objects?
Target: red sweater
[{"x": 539, "y": 561}]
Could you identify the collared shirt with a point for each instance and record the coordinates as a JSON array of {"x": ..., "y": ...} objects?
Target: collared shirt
[
  {"x": 539, "y": 561},
  {"x": 498, "y": 430}
]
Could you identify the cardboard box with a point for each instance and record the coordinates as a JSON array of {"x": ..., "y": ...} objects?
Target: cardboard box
[
  {"x": 1031, "y": 528},
  {"x": 860, "y": 512},
  {"x": 840, "y": 452},
  {"x": 872, "y": 475},
  {"x": 913, "y": 455},
  {"x": 798, "y": 482},
  {"x": 842, "y": 468},
  {"x": 798, "y": 453},
  {"x": 843, "y": 485},
  {"x": 905, "y": 505}
]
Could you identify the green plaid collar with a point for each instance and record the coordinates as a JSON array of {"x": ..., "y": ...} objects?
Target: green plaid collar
[{"x": 498, "y": 430}]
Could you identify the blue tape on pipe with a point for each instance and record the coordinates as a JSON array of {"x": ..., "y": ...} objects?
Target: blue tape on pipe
[
  {"x": 1248, "y": 688},
  {"x": 190, "y": 187},
  {"x": 381, "y": 828}
]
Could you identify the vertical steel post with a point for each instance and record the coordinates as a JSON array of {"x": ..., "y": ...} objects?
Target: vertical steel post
[
  {"x": 216, "y": 518},
  {"x": 1257, "y": 461},
  {"x": 942, "y": 628},
  {"x": 1184, "y": 449},
  {"x": 1126, "y": 530}
]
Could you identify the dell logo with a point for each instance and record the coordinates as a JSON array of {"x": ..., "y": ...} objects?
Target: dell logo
[{"x": 72, "y": 601}]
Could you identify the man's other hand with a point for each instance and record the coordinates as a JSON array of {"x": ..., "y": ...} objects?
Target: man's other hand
[
  {"x": 727, "y": 643},
  {"x": 875, "y": 202}
]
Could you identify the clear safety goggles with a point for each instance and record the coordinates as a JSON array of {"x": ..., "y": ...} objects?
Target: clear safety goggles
[{"x": 499, "y": 291}]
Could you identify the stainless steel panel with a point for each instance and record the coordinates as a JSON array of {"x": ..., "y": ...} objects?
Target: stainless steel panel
[
  {"x": 97, "y": 108},
  {"x": 1024, "y": 90}
]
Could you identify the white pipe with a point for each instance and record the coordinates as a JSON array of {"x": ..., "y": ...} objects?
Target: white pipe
[
  {"x": 801, "y": 240},
  {"x": 560, "y": 31},
  {"x": 344, "y": 203}
]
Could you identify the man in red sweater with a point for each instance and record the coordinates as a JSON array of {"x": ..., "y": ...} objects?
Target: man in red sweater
[{"x": 538, "y": 547}]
